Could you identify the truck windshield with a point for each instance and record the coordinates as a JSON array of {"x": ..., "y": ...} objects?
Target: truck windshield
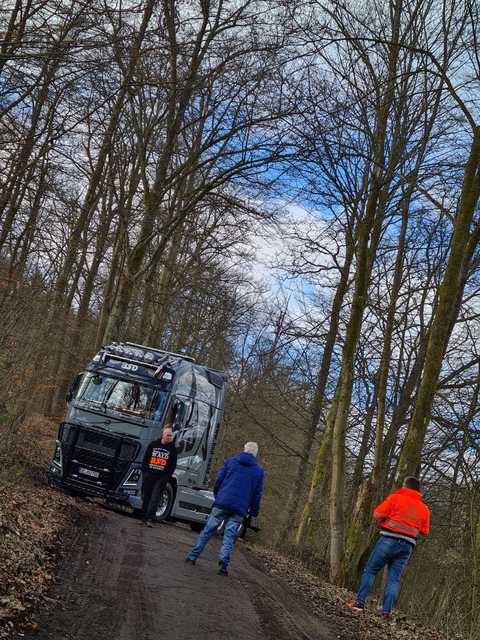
[{"x": 122, "y": 396}]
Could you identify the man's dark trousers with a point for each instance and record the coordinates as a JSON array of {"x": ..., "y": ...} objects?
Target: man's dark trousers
[{"x": 152, "y": 489}]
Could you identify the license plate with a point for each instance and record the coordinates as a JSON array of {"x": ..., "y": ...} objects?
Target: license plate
[{"x": 89, "y": 472}]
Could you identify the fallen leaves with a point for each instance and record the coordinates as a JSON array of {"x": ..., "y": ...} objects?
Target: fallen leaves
[
  {"x": 33, "y": 519},
  {"x": 328, "y": 603}
]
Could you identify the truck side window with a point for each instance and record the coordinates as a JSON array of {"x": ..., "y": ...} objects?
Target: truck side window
[
  {"x": 160, "y": 407},
  {"x": 204, "y": 414},
  {"x": 192, "y": 416},
  {"x": 184, "y": 384},
  {"x": 205, "y": 391},
  {"x": 179, "y": 412}
]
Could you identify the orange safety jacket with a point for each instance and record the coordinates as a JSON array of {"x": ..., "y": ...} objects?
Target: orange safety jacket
[{"x": 404, "y": 513}]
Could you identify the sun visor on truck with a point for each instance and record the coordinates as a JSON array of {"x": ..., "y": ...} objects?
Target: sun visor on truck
[{"x": 163, "y": 363}]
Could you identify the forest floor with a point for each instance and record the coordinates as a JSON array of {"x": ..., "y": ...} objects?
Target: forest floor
[{"x": 71, "y": 569}]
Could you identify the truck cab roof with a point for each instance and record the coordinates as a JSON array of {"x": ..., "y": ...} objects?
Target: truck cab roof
[{"x": 159, "y": 367}]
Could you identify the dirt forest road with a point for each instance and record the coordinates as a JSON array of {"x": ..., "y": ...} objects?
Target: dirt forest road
[{"x": 124, "y": 581}]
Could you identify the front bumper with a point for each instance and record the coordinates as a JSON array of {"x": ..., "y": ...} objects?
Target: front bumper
[
  {"x": 96, "y": 462},
  {"x": 126, "y": 496}
]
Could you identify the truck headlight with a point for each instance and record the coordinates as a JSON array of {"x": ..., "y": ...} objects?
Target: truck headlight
[{"x": 133, "y": 478}]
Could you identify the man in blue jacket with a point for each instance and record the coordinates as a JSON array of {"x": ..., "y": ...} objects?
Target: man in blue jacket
[{"x": 238, "y": 490}]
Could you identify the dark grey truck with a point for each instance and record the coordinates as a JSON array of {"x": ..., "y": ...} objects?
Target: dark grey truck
[{"x": 117, "y": 406}]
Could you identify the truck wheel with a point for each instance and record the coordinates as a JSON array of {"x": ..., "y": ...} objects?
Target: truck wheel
[{"x": 165, "y": 503}]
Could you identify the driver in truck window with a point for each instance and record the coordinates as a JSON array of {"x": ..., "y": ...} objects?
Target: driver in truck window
[{"x": 158, "y": 466}]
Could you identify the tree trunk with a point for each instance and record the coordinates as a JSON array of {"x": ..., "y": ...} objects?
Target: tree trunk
[
  {"x": 357, "y": 539},
  {"x": 116, "y": 267},
  {"x": 370, "y": 230},
  {"x": 316, "y": 411},
  {"x": 72, "y": 349},
  {"x": 338, "y": 414},
  {"x": 450, "y": 289}
]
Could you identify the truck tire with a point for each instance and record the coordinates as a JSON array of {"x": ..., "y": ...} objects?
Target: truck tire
[{"x": 165, "y": 503}]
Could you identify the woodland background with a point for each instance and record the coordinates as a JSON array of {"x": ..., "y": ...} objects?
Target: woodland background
[{"x": 151, "y": 151}]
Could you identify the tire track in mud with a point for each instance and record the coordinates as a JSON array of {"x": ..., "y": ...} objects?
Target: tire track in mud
[{"x": 124, "y": 581}]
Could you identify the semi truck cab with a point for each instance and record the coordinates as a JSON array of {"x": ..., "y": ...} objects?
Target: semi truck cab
[{"x": 117, "y": 406}]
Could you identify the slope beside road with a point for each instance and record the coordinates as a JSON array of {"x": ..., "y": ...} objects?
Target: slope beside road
[{"x": 124, "y": 581}]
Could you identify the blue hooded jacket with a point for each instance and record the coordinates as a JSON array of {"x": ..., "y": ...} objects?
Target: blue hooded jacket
[{"x": 239, "y": 485}]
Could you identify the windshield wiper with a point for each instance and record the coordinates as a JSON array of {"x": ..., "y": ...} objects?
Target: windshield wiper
[
  {"x": 128, "y": 416},
  {"x": 107, "y": 422},
  {"x": 126, "y": 435},
  {"x": 138, "y": 420}
]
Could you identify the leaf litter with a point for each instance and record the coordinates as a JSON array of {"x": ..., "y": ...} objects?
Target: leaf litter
[
  {"x": 34, "y": 520},
  {"x": 34, "y": 525},
  {"x": 329, "y": 603}
]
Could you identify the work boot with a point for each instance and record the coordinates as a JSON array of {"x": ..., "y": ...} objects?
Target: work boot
[
  {"x": 356, "y": 605},
  {"x": 222, "y": 569},
  {"x": 189, "y": 560}
]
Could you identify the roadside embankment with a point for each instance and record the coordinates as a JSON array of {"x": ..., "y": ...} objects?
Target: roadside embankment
[
  {"x": 35, "y": 527},
  {"x": 327, "y": 602}
]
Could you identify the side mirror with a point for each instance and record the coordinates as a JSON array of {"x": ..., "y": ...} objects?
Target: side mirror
[
  {"x": 73, "y": 388},
  {"x": 179, "y": 409},
  {"x": 71, "y": 391}
]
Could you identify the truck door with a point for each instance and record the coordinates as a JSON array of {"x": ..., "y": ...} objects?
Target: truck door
[
  {"x": 199, "y": 461},
  {"x": 185, "y": 421}
]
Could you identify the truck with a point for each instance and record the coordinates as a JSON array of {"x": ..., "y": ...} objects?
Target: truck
[{"x": 117, "y": 406}]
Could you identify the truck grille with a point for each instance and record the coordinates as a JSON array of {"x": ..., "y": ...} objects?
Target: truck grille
[
  {"x": 97, "y": 443},
  {"x": 103, "y": 453},
  {"x": 90, "y": 459}
]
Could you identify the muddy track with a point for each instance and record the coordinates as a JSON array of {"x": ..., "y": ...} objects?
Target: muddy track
[{"x": 124, "y": 581}]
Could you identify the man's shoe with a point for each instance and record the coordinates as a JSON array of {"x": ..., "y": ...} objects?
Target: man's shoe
[
  {"x": 356, "y": 605},
  {"x": 189, "y": 560},
  {"x": 222, "y": 569},
  {"x": 386, "y": 615}
]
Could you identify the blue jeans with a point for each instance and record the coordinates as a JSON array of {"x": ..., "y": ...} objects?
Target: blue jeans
[
  {"x": 233, "y": 522},
  {"x": 394, "y": 553}
]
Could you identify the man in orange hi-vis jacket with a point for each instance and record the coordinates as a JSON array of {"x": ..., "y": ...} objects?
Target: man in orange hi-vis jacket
[{"x": 401, "y": 516}]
